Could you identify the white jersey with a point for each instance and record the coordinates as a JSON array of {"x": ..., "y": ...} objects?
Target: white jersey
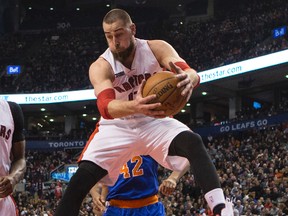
[
  {"x": 127, "y": 81},
  {"x": 6, "y": 132},
  {"x": 116, "y": 141},
  {"x": 7, "y": 206}
]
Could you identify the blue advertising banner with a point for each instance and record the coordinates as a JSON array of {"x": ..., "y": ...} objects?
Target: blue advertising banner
[
  {"x": 203, "y": 131},
  {"x": 242, "y": 125},
  {"x": 66, "y": 174},
  {"x": 55, "y": 145}
]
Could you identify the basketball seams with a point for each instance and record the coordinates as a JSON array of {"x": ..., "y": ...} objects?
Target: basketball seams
[
  {"x": 164, "y": 85},
  {"x": 168, "y": 96},
  {"x": 158, "y": 83}
]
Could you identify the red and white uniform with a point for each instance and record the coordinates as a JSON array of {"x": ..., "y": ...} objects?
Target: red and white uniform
[
  {"x": 116, "y": 141},
  {"x": 7, "y": 205}
]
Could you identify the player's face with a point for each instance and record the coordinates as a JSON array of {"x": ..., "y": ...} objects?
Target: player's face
[{"x": 120, "y": 39}]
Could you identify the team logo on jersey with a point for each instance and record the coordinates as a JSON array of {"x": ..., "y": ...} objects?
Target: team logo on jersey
[
  {"x": 132, "y": 82},
  {"x": 4, "y": 132}
]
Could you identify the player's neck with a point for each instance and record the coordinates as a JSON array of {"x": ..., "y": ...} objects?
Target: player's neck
[{"x": 129, "y": 60}]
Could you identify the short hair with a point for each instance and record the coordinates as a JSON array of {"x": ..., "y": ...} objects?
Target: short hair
[{"x": 117, "y": 14}]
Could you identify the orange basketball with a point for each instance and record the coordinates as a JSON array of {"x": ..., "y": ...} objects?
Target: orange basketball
[{"x": 164, "y": 85}]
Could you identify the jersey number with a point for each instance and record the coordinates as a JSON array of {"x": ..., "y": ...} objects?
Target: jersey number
[
  {"x": 136, "y": 171},
  {"x": 131, "y": 95}
]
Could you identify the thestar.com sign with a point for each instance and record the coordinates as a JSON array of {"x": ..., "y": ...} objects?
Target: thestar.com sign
[{"x": 206, "y": 76}]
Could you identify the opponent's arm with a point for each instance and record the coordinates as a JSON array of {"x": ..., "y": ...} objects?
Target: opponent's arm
[
  {"x": 101, "y": 77},
  {"x": 168, "y": 185},
  {"x": 99, "y": 193},
  {"x": 168, "y": 57}
]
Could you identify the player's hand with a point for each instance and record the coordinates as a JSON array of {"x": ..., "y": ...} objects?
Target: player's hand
[
  {"x": 167, "y": 186},
  {"x": 143, "y": 104},
  {"x": 98, "y": 204},
  {"x": 185, "y": 82},
  {"x": 6, "y": 187}
]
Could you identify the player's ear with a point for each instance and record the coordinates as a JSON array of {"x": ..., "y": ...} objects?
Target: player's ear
[{"x": 133, "y": 28}]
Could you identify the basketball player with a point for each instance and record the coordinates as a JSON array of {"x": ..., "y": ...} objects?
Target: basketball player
[
  {"x": 12, "y": 154},
  {"x": 130, "y": 125},
  {"x": 135, "y": 192}
]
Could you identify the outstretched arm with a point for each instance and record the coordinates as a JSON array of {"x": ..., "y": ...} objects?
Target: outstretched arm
[
  {"x": 168, "y": 185},
  {"x": 99, "y": 193}
]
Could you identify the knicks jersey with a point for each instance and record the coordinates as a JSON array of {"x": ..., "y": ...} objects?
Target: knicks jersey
[
  {"x": 127, "y": 80},
  {"x": 138, "y": 179}
]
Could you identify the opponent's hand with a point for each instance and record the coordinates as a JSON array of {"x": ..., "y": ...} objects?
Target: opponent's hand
[
  {"x": 6, "y": 186},
  {"x": 185, "y": 82},
  {"x": 143, "y": 106},
  {"x": 168, "y": 186},
  {"x": 98, "y": 204}
]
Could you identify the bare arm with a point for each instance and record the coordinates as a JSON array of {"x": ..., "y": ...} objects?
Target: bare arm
[
  {"x": 99, "y": 193},
  {"x": 168, "y": 185},
  {"x": 101, "y": 77},
  {"x": 18, "y": 167},
  {"x": 167, "y": 56}
]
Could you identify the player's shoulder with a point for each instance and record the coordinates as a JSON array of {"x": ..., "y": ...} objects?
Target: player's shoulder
[
  {"x": 157, "y": 43},
  {"x": 100, "y": 64},
  {"x": 14, "y": 106}
]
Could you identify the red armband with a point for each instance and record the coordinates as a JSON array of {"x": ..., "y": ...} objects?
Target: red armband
[
  {"x": 103, "y": 99},
  {"x": 184, "y": 66}
]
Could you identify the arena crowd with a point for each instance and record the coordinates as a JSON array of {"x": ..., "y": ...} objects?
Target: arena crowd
[{"x": 252, "y": 164}]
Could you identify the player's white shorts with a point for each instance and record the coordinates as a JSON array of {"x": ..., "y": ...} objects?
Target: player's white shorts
[
  {"x": 7, "y": 206},
  {"x": 116, "y": 141}
]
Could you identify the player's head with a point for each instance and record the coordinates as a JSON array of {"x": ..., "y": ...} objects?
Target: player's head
[{"x": 119, "y": 32}]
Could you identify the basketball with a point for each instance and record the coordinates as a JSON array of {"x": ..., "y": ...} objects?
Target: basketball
[{"x": 164, "y": 85}]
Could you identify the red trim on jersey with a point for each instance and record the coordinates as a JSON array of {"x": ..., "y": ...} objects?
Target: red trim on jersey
[
  {"x": 88, "y": 142},
  {"x": 184, "y": 66},
  {"x": 103, "y": 99}
]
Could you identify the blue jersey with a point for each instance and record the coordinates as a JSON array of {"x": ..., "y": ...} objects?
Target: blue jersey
[{"x": 138, "y": 179}]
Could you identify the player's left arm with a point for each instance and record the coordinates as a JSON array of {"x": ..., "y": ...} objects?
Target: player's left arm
[
  {"x": 168, "y": 57},
  {"x": 99, "y": 193},
  {"x": 168, "y": 185},
  {"x": 18, "y": 165}
]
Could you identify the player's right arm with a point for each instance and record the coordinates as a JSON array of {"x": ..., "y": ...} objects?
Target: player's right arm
[{"x": 101, "y": 77}]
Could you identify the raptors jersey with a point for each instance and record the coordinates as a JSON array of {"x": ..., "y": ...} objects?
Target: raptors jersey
[
  {"x": 138, "y": 179},
  {"x": 6, "y": 132},
  {"x": 7, "y": 206},
  {"x": 127, "y": 80},
  {"x": 117, "y": 140}
]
